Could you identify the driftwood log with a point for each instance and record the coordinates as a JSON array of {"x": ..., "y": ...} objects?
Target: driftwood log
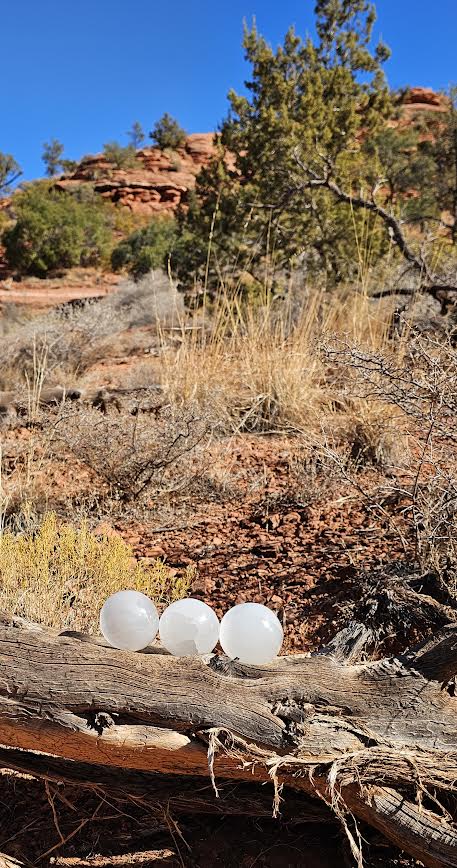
[{"x": 368, "y": 741}]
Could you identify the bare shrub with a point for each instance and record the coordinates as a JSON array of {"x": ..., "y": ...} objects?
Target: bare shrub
[
  {"x": 76, "y": 337},
  {"x": 419, "y": 383},
  {"x": 435, "y": 523},
  {"x": 137, "y": 452}
]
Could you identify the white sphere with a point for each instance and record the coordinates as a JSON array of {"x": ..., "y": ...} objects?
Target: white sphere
[
  {"x": 189, "y": 627},
  {"x": 251, "y": 633},
  {"x": 129, "y": 620}
]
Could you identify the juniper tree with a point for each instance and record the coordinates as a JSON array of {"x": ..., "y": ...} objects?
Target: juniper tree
[
  {"x": 167, "y": 133},
  {"x": 404, "y": 162},
  {"x": 444, "y": 149},
  {"x": 317, "y": 100}
]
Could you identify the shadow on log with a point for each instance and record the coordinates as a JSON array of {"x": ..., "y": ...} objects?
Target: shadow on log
[{"x": 374, "y": 741}]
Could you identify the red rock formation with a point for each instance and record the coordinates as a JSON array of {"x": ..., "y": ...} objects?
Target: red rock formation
[
  {"x": 159, "y": 184},
  {"x": 423, "y": 98}
]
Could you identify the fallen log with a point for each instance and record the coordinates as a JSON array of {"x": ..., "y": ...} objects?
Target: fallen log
[
  {"x": 175, "y": 793},
  {"x": 375, "y": 741}
]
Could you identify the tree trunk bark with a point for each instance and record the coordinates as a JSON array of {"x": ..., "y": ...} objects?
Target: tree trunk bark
[{"x": 373, "y": 741}]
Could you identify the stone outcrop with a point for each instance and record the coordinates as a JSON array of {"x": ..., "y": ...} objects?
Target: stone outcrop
[
  {"x": 423, "y": 98},
  {"x": 416, "y": 102},
  {"x": 158, "y": 184}
]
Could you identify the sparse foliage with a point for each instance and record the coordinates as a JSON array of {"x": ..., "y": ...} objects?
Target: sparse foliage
[
  {"x": 10, "y": 172},
  {"x": 74, "y": 337},
  {"x": 133, "y": 456},
  {"x": 122, "y": 157},
  {"x": 52, "y": 157},
  {"x": 136, "y": 135},
  {"x": 69, "y": 166},
  {"x": 421, "y": 389}
]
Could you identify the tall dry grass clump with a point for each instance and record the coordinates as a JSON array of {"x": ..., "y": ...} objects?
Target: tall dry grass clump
[
  {"x": 262, "y": 369},
  {"x": 60, "y": 575}
]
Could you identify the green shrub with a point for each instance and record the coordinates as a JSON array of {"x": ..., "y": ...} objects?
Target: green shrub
[
  {"x": 167, "y": 133},
  {"x": 122, "y": 157},
  {"x": 146, "y": 248},
  {"x": 57, "y": 230},
  {"x": 69, "y": 166}
]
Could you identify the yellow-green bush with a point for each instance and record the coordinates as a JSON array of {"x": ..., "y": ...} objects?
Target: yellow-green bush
[{"x": 60, "y": 575}]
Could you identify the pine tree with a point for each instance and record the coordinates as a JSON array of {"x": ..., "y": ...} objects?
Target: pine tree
[
  {"x": 136, "y": 135},
  {"x": 52, "y": 156},
  {"x": 307, "y": 102},
  {"x": 10, "y": 171},
  {"x": 167, "y": 133}
]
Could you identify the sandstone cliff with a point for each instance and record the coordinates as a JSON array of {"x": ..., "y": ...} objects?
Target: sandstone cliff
[{"x": 159, "y": 183}]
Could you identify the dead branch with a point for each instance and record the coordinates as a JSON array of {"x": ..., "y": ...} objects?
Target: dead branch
[
  {"x": 9, "y": 862},
  {"x": 417, "y": 261}
]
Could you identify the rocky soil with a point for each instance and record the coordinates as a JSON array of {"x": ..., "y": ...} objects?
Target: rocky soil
[{"x": 260, "y": 535}]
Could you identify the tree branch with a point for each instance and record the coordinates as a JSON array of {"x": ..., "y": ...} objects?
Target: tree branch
[{"x": 393, "y": 225}]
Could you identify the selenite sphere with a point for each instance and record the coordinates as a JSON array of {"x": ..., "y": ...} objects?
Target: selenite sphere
[
  {"x": 129, "y": 620},
  {"x": 189, "y": 627},
  {"x": 251, "y": 633}
]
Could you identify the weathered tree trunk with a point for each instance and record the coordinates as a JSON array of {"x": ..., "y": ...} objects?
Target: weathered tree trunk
[{"x": 374, "y": 741}]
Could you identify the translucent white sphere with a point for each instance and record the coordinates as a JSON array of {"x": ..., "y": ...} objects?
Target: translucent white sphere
[
  {"x": 129, "y": 620},
  {"x": 251, "y": 633},
  {"x": 189, "y": 627}
]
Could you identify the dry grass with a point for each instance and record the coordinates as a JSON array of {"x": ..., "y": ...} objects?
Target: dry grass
[
  {"x": 328, "y": 370},
  {"x": 76, "y": 337},
  {"x": 60, "y": 575},
  {"x": 263, "y": 370}
]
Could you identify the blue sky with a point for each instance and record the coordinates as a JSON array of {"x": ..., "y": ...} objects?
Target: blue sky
[{"x": 84, "y": 71}]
